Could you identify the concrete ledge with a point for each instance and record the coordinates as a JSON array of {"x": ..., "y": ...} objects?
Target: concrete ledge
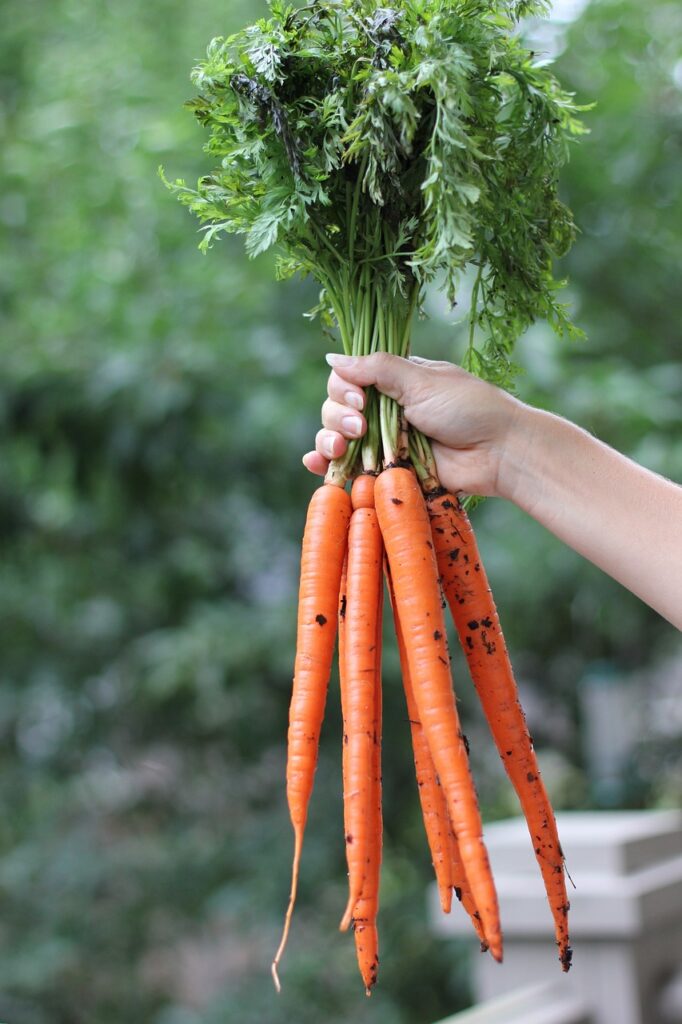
[
  {"x": 535, "y": 1004},
  {"x": 627, "y": 868}
]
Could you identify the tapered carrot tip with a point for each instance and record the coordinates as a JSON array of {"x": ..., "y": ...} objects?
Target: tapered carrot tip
[
  {"x": 496, "y": 950},
  {"x": 476, "y": 921},
  {"x": 298, "y": 844},
  {"x": 370, "y": 973},
  {"x": 445, "y": 892}
]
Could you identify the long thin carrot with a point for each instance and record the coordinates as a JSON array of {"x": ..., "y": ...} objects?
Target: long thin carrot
[
  {"x": 365, "y": 560},
  {"x": 431, "y": 798},
  {"x": 406, "y": 532},
  {"x": 445, "y": 856},
  {"x": 366, "y": 909},
  {"x": 364, "y": 913},
  {"x": 471, "y": 602},
  {"x": 324, "y": 548}
]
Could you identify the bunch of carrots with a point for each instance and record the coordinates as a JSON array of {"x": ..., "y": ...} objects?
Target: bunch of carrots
[
  {"x": 398, "y": 528},
  {"x": 379, "y": 149}
]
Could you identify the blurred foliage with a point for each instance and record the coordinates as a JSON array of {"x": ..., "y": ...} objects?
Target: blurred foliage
[{"x": 153, "y": 406}]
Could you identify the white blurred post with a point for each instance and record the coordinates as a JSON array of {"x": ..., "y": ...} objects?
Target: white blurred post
[{"x": 610, "y": 727}]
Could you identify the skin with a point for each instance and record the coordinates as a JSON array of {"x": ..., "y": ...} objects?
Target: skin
[{"x": 624, "y": 518}]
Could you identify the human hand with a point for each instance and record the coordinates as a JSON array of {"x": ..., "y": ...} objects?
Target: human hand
[
  {"x": 472, "y": 424},
  {"x": 487, "y": 442}
]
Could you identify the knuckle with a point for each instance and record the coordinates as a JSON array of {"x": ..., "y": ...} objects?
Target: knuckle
[
  {"x": 381, "y": 360},
  {"x": 327, "y": 411},
  {"x": 390, "y": 374}
]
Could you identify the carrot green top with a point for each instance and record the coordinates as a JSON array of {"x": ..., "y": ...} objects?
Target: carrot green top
[
  {"x": 378, "y": 148},
  {"x": 411, "y": 140}
]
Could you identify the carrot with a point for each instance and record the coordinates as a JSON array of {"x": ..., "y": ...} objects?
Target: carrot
[
  {"x": 367, "y": 908},
  {"x": 434, "y": 808},
  {"x": 406, "y": 530},
  {"x": 358, "y": 703},
  {"x": 343, "y": 600},
  {"x": 362, "y": 491},
  {"x": 324, "y": 547},
  {"x": 463, "y": 890},
  {"x": 442, "y": 841},
  {"x": 471, "y": 602}
]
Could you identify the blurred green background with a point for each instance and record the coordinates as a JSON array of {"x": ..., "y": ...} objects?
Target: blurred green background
[{"x": 154, "y": 404}]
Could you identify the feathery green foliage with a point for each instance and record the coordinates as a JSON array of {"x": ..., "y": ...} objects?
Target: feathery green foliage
[{"x": 380, "y": 148}]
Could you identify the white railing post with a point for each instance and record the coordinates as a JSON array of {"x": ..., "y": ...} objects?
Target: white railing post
[
  {"x": 625, "y": 919},
  {"x": 610, "y": 730}
]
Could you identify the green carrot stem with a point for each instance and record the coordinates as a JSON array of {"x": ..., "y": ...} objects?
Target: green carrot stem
[
  {"x": 473, "y": 316},
  {"x": 341, "y": 470},
  {"x": 414, "y": 298},
  {"x": 388, "y": 440},
  {"x": 423, "y": 461},
  {"x": 354, "y": 208},
  {"x": 372, "y": 440},
  {"x": 402, "y": 447}
]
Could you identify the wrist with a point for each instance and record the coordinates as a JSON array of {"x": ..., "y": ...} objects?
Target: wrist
[{"x": 520, "y": 455}]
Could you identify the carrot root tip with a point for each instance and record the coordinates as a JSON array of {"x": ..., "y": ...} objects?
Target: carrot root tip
[{"x": 298, "y": 842}]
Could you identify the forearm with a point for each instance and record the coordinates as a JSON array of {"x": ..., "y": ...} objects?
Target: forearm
[{"x": 624, "y": 518}]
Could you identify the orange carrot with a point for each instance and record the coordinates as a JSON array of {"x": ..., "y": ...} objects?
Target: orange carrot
[
  {"x": 343, "y": 587},
  {"x": 463, "y": 890},
  {"x": 358, "y": 703},
  {"x": 324, "y": 548},
  {"x": 443, "y": 844},
  {"x": 468, "y": 594},
  {"x": 366, "y": 909},
  {"x": 431, "y": 798},
  {"x": 406, "y": 531},
  {"x": 362, "y": 492}
]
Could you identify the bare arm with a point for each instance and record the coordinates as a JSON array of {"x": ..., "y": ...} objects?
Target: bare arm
[{"x": 624, "y": 518}]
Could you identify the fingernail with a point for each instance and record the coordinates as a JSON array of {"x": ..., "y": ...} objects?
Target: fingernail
[
  {"x": 352, "y": 425},
  {"x": 329, "y": 447},
  {"x": 353, "y": 399},
  {"x": 335, "y": 359}
]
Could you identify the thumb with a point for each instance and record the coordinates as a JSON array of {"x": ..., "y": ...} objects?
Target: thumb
[{"x": 391, "y": 375}]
